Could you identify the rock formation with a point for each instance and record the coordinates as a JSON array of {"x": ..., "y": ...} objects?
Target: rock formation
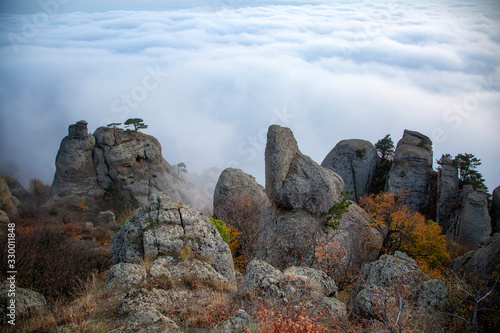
[
  {"x": 235, "y": 184},
  {"x": 447, "y": 193},
  {"x": 307, "y": 284},
  {"x": 377, "y": 280},
  {"x": 28, "y": 302},
  {"x": 8, "y": 203},
  {"x": 87, "y": 163},
  {"x": 294, "y": 180},
  {"x": 355, "y": 161},
  {"x": 412, "y": 160},
  {"x": 474, "y": 224},
  {"x": 482, "y": 262},
  {"x": 167, "y": 229},
  {"x": 495, "y": 209}
]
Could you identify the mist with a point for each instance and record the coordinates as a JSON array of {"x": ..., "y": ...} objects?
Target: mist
[{"x": 209, "y": 77}]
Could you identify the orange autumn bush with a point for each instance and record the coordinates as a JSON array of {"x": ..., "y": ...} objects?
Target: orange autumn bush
[{"x": 403, "y": 229}]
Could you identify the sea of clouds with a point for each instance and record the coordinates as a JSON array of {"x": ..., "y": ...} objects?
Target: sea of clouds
[{"x": 209, "y": 77}]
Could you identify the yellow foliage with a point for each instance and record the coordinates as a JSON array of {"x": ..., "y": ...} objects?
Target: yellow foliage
[{"x": 406, "y": 230}]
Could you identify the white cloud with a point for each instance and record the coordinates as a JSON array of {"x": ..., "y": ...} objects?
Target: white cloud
[{"x": 328, "y": 70}]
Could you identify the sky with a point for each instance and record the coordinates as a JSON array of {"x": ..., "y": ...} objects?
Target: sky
[{"x": 209, "y": 77}]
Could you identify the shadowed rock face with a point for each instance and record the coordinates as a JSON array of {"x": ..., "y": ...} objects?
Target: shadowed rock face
[
  {"x": 133, "y": 161},
  {"x": 355, "y": 161},
  {"x": 474, "y": 225},
  {"x": 447, "y": 192},
  {"x": 412, "y": 159},
  {"x": 8, "y": 203},
  {"x": 495, "y": 208},
  {"x": 294, "y": 180}
]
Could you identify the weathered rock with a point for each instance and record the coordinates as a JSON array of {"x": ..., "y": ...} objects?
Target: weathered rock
[
  {"x": 4, "y": 220},
  {"x": 16, "y": 189},
  {"x": 296, "y": 284},
  {"x": 143, "y": 311},
  {"x": 430, "y": 293},
  {"x": 482, "y": 262},
  {"x": 105, "y": 218},
  {"x": 447, "y": 193},
  {"x": 294, "y": 180},
  {"x": 378, "y": 277},
  {"x": 495, "y": 208},
  {"x": 294, "y": 237},
  {"x": 124, "y": 275},
  {"x": 159, "y": 268},
  {"x": 412, "y": 160},
  {"x": 168, "y": 229},
  {"x": 239, "y": 323},
  {"x": 86, "y": 164},
  {"x": 27, "y": 302},
  {"x": 234, "y": 183},
  {"x": 355, "y": 161},
  {"x": 474, "y": 225},
  {"x": 8, "y": 203}
]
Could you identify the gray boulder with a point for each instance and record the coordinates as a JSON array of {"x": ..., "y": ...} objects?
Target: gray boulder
[
  {"x": 234, "y": 183},
  {"x": 124, "y": 275},
  {"x": 379, "y": 277},
  {"x": 482, "y": 262},
  {"x": 239, "y": 323},
  {"x": 27, "y": 302},
  {"x": 355, "y": 161},
  {"x": 8, "y": 203},
  {"x": 495, "y": 208},
  {"x": 294, "y": 180},
  {"x": 168, "y": 229},
  {"x": 430, "y": 294},
  {"x": 474, "y": 224},
  {"x": 105, "y": 218},
  {"x": 412, "y": 160},
  {"x": 447, "y": 193}
]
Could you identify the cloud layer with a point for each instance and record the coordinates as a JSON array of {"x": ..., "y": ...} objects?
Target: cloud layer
[{"x": 210, "y": 79}]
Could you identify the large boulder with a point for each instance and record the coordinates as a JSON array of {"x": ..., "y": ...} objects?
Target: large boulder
[
  {"x": 294, "y": 238},
  {"x": 355, "y": 161},
  {"x": 168, "y": 229},
  {"x": 294, "y": 180},
  {"x": 125, "y": 275},
  {"x": 495, "y": 208},
  {"x": 294, "y": 286},
  {"x": 412, "y": 161},
  {"x": 378, "y": 279},
  {"x": 482, "y": 262},
  {"x": 474, "y": 224},
  {"x": 236, "y": 184},
  {"x": 86, "y": 164},
  {"x": 448, "y": 192},
  {"x": 27, "y": 302},
  {"x": 8, "y": 203}
]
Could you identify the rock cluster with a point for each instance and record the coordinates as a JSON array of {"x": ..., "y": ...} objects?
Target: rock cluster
[
  {"x": 355, "y": 161},
  {"x": 166, "y": 229},
  {"x": 294, "y": 180},
  {"x": 86, "y": 164},
  {"x": 412, "y": 160}
]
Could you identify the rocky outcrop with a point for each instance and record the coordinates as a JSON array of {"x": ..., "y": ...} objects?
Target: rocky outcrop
[
  {"x": 297, "y": 284},
  {"x": 294, "y": 237},
  {"x": 86, "y": 164},
  {"x": 430, "y": 294},
  {"x": 474, "y": 224},
  {"x": 27, "y": 302},
  {"x": 447, "y": 193},
  {"x": 294, "y": 180},
  {"x": 377, "y": 279},
  {"x": 235, "y": 184},
  {"x": 16, "y": 189},
  {"x": 239, "y": 323},
  {"x": 495, "y": 208},
  {"x": 482, "y": 262},
  {"x": 8, "y": 203},
  {"x": 124, "y": 275},
  {"x": 168, "y": 229},
  {"x": 355, "y": 161},
  {"x": 412, "y": 160},
  {"x": 105, "y": 218}
]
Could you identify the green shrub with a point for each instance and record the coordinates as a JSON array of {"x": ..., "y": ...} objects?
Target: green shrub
[
  {"x": 222, "y": 229},
  {"x": 360, "y": 152},
  {"x": 338, "y": 209}
]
